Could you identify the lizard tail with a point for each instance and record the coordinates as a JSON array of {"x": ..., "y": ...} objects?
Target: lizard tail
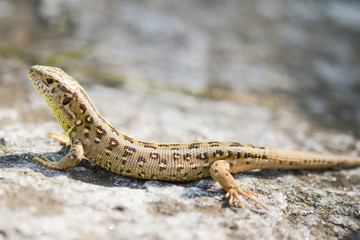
[{"x": 286, "y": 159}]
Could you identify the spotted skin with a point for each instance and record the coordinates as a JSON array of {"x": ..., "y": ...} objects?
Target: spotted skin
[{"x": 91, "y": 136}]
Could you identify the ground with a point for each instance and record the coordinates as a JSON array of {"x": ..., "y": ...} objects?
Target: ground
[{"x": 268, "y": 73}]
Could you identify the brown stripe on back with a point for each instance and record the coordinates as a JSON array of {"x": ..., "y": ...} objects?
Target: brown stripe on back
[
  {"x": 114, "y": 130},
  {"x": 150, "y": 146},
  {"x": 129, "y": 139},
  {"x": 236, "y": 144},
  {"x": 163, "y": 145}
]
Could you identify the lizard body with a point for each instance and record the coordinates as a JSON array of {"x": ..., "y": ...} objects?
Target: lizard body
[{"x": 92, "y": 136}]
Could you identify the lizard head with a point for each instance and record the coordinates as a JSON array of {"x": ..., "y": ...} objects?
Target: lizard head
[
  {"x": 52, "y": 83},
  {"x": 59, "y": 90}
]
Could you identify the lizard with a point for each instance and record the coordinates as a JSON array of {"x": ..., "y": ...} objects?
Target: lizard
[{"x": 90, "y": 135}]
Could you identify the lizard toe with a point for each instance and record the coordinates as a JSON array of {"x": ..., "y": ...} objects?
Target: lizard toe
[{"x": 236, "y": 192}]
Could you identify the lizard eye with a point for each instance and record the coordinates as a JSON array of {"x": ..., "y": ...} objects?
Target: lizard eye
[{"x": 50, "y": 80}]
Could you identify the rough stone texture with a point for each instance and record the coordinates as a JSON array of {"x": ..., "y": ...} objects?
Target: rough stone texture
[{"x": 273, "y": 73}]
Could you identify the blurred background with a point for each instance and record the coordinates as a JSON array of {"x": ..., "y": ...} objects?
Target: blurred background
[
  {"x": 300, "y": 55},
  {"x": 265, "y": 72}
]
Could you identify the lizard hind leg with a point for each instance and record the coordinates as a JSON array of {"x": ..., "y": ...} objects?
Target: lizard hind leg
[{"x": 219, "y": 171}]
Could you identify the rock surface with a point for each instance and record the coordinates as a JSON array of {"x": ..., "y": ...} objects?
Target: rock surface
[{"x": 269, "y": 73}]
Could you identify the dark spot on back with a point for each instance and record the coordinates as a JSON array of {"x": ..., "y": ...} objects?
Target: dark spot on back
[
  {"x": 66, "y": 101},
  {"x": 218, "y": 152},
  {"x": 83, "y": 108},
  {"x": 89, "y": 119},
  {"x": 100, "y": 131},
  {"x": 154, "y": 156},
  {"x": 163, "y": 161},
  {"x": 187, "y": 156},
  {"x": 194, "y": 145},
  {"x": 202, "y": 156},
  {"x": 112, "y": 144},
  {"x": 129, "y": 151},
  {"x": 176, "y": 156},
  {"x": 141, "y": 159},
  {"x": 179, "y": 168}
]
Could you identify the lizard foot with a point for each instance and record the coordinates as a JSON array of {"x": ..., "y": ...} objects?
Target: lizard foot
[
  {"x": 49, "y": 163},
  {"x": 68, "y": 161},
  {"x": 236, "y": 191}
]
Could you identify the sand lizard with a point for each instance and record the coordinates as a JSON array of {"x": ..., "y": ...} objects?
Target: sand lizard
[{"x": 92, "y": 136}]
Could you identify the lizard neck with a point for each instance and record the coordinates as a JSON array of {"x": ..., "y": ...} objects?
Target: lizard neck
[{"x": 77, "y": 113}]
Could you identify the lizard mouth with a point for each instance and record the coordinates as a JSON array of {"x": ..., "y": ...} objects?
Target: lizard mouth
[{"x": 36, "y": 80}]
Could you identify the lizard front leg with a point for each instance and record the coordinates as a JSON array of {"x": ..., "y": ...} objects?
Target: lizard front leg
[
  {"x": 219, "y": 171},
  {"x": 68, "y": 161}
]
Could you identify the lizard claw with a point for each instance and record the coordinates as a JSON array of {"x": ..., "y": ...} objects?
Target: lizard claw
[
  {"x": 43, "y": 160},
  {"x": 236, "y": 191},
  {"x": 50, "y": 163}
]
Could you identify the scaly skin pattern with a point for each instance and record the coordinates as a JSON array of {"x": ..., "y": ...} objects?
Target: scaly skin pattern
[{"x": 93, "y": 137}]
